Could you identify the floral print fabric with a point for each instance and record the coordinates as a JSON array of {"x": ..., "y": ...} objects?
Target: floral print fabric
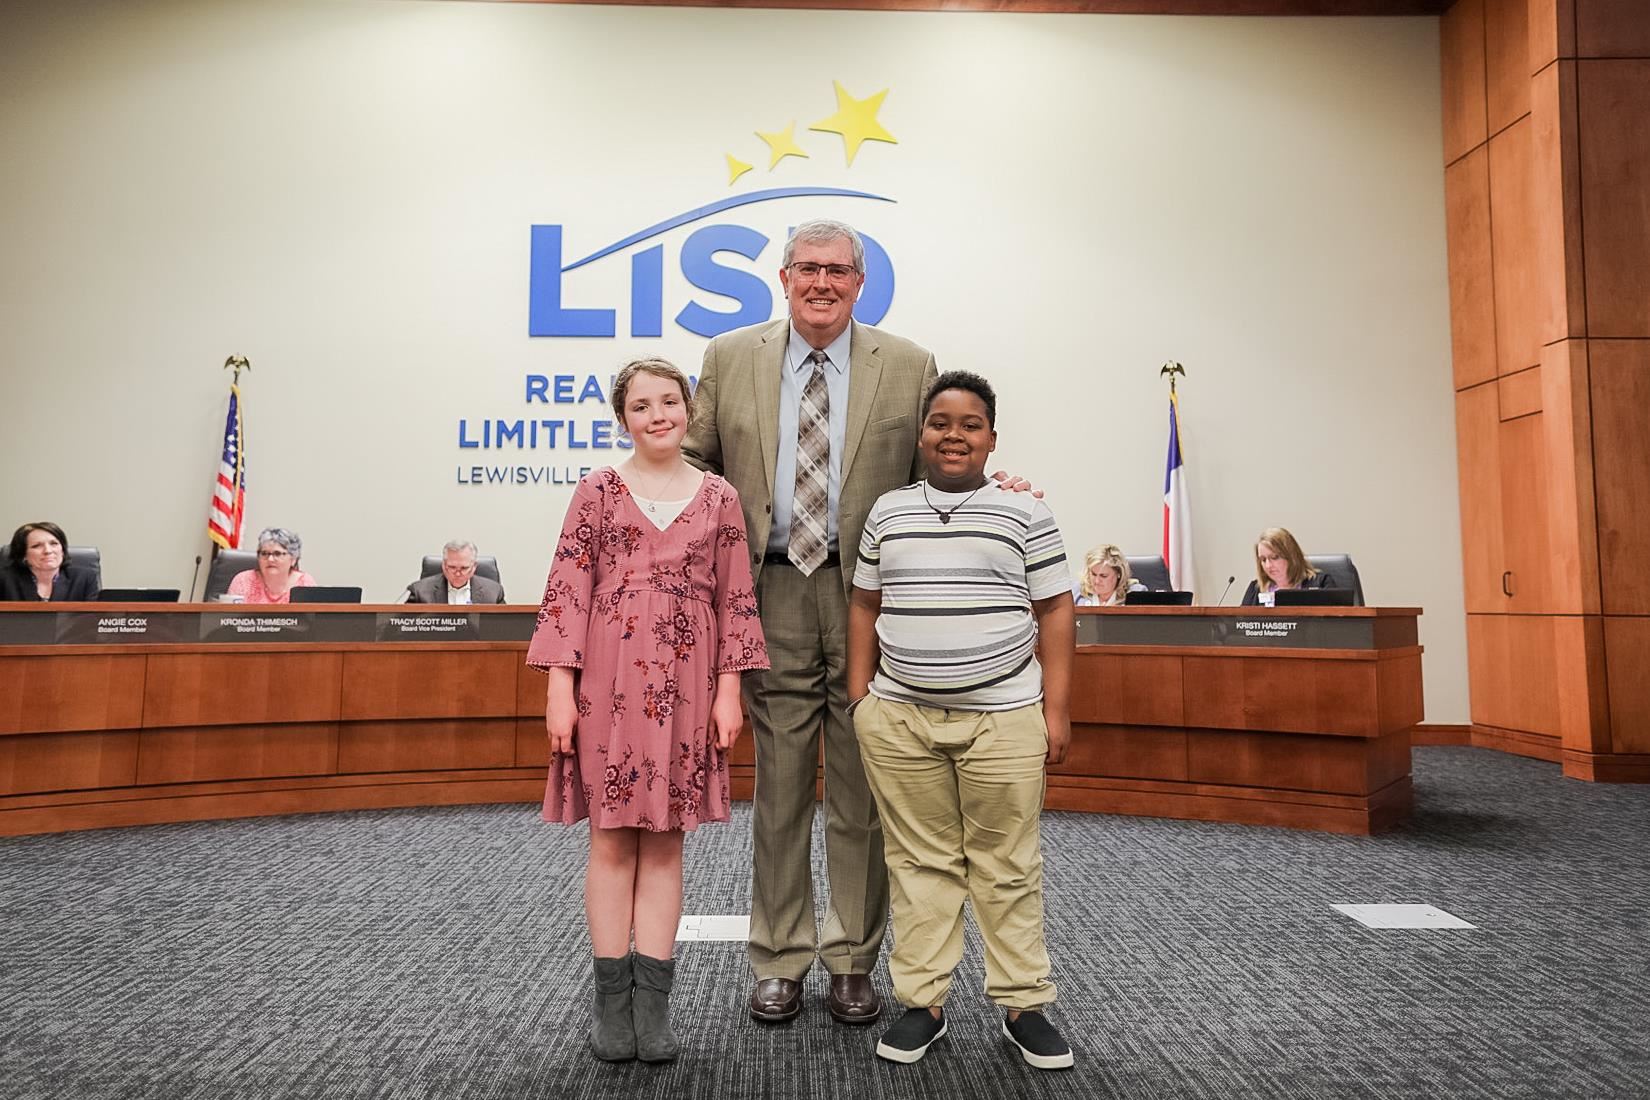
[{"x": 650, "y": 616}]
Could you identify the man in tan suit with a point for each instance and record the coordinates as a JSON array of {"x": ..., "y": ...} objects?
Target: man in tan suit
[{"x": 766, "y": 394}]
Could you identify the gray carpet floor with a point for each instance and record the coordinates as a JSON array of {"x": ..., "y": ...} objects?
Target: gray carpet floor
[{"x": 441, "y": 953}]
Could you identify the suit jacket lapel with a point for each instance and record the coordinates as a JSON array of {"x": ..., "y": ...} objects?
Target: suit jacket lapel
[
  {"x": 863, "y": 378},
  {"x": 767, "y": 360}
]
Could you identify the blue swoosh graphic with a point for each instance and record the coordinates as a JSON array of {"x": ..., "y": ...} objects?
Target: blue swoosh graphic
[{"x": 719, "y": 206}]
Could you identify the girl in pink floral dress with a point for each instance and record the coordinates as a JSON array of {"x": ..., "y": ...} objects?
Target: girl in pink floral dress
[{"x": 648, "y": 620}]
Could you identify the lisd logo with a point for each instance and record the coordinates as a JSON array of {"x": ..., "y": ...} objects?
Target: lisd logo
[{"x": 553, "y": 284}]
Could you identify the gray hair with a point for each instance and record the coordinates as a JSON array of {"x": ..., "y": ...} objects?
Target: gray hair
[
  {"x": 824, "y": 231},
  {"x": 286, "y": 540},
  {"x": 457, "y": 545}
]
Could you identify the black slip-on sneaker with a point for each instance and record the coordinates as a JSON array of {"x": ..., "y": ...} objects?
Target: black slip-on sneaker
[
  {"x": 911, "y": 1036},
  {"x": 1040, "y": 1045}
]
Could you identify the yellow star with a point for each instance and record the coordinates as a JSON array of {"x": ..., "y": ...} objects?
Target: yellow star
[
  {"x": 781, "y": 145},
  {"x": 856, "y": 120},
  {"x": 736, "y": 168}
]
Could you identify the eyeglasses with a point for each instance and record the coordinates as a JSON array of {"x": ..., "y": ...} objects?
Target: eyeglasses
[
  {"x": 271, "y": 555},
  {"x": 837, "y": 273}
]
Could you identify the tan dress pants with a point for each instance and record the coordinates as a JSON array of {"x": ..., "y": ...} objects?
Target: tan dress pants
[
  {"x": 960, "y": 794},
  {"x": 792, "y": 705}
]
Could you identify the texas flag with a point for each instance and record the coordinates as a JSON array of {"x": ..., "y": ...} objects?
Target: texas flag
[{"x": 1177, "y": 510}]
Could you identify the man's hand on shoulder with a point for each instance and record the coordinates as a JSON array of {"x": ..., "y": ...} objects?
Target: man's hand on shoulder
[{"x": 1015, "y": 484}]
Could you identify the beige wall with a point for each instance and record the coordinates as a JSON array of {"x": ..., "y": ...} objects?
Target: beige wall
[{"x": 342, "y": 191}]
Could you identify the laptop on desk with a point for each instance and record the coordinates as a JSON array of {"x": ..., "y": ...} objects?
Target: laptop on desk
[
  {"x": 139, "y": 595},
  {"x": 326, "y": 594},
  {"x": 1312, "y": 597},
  {"x": 1158, "y": 599}
]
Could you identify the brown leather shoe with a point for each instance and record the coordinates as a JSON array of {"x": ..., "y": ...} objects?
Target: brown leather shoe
[
  {"x": 775, "y": 1000},
  {"x": 853, "y": 999}
]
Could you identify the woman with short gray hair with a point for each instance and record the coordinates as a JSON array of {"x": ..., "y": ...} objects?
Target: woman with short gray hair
[{"x": 277, "y": 573}]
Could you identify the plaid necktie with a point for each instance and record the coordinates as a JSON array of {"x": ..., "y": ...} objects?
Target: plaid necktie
[{"x": 813, "y": 471}]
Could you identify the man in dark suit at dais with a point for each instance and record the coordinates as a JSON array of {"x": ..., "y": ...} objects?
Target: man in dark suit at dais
[{"x": 457, "y": 583}]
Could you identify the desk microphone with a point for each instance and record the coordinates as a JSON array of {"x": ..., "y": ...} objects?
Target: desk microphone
[
  {"x": 194, "y": 578},
  {"x": 1228, "y": 588}
]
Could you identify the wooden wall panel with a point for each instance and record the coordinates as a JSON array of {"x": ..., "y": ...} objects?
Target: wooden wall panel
[
  {"x": 1461, "y": 42},
  {"x": 214, "y": 689},
  {"x": 1519, "y": 394},
  {"x": 1127, "y": 690},
  {"x": 34, "y": 763},
  {"x": 431, "y": 745},
  {"x": 1138, "y": 751},
  {"x": 1508, "y": 663},
  {"x": 72, "y": 692},
  {"x": 1552, "y": 32},
  {"x": 437, "y": 684},
  {"x": 1555, "y": 196},
  {"x": 1471, "y": 280},
  {"x": 1478, "y": 447},
  {"x": 1620, "y": 378},
  {"x": 1506, "y": 62},
  {"x": 1572, "y": 522},
  {"x": 1518, "y": 308},
  {"x": 1525, "y": 539},
  {"x": 1627, "y": 644},
  {"x": 207, "y": 753},
  {"x": 1282, "y": 694},
  {"x": 1579, "y": 676},
  {"x": 1613, "y": 98},
  {"x": 1612, "y": 28}
]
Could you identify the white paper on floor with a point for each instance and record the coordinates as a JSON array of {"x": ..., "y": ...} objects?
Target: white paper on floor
[
  {"x": 1403, "y": 916},
  {"x": 713, "y": 928}
]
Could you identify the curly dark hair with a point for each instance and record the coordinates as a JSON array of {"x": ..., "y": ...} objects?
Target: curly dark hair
[{"x": 964, "y": 380}]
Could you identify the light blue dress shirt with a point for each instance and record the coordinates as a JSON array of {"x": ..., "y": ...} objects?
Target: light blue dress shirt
[{"x": 793, "y": 376}]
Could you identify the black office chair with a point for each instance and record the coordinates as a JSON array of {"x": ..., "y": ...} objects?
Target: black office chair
[
  {"x": 1151, "y": 572},
  {"x": 1341, "y": 571},
  {"x": 81, "y": 557},
  {"x": 486, "y": 566},
  {"x": 225, "y": 566}
]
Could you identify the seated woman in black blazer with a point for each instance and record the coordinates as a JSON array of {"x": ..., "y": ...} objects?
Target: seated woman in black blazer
[
  {"x": 1279, "y": 563},
  {"x": 39, "y": 568}
]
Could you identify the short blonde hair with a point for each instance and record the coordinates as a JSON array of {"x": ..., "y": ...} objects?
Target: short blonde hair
[
  {"x": 1284, "y": 545},
  {"x": 1105, "y": 554},
  {"x": 659, "y": 368}
]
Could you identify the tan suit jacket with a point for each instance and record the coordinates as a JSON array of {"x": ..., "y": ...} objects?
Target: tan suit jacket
[{"x": 735, "y": 429}]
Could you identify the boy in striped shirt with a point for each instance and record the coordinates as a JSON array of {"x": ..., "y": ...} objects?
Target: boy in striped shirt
[{"x": 959, "y": 590}]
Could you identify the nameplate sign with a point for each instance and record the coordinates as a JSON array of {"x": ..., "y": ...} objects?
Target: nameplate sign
[
  {"x": 453, "y": 626},
  {"x": 122, "y": 628},
  {"x": 232, "y": 625},
  {"x": 1268, "y": 630}
]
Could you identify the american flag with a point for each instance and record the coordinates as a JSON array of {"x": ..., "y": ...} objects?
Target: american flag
[{"x": 223, "y": 518}]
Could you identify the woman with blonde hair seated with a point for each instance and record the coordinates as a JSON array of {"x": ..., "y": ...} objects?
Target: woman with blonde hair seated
[
  {"x": 1280, "y": 563},
  {"x": 1106, "y": 580}
]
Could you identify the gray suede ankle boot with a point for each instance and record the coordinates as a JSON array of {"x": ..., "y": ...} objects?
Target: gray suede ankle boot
[
  {"x": 655, "y": 1042},
  {"x": 613, "y": 1038}
]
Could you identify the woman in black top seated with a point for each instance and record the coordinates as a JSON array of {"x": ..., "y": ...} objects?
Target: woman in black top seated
[
  {"x": 39, "y": 568},
  {"x": 1279, "y": 563}
]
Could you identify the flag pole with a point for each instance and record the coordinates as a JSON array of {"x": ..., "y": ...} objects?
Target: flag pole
[
  {"x": 225, "y": 515},
  {"x": 1177, "y": 516}
]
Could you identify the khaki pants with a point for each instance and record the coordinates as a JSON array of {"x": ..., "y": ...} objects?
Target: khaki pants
[
  {"x": 801, "y": 699},
  {"x": 959, "y": 794}
]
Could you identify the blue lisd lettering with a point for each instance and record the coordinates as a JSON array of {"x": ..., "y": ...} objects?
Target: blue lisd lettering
[
  {"x": 751, "y": 293},
  {"x": 545, "y": 314},
  {"x": 700, "y": 268}
]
